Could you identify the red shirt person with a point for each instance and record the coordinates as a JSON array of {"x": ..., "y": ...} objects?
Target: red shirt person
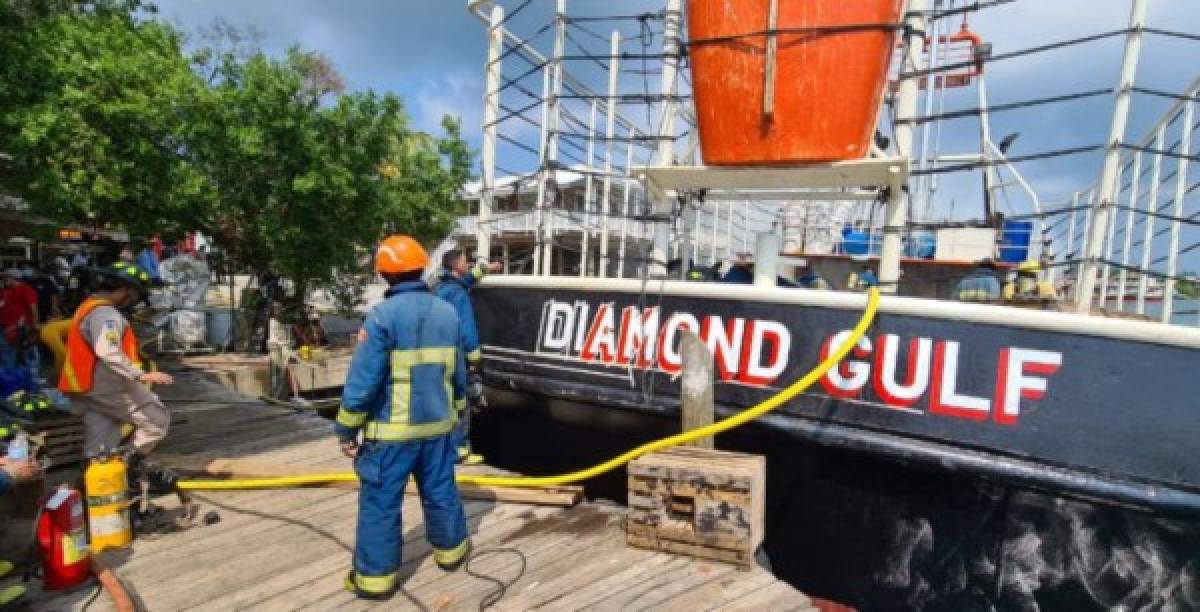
[{"x": 18, "y": 305}]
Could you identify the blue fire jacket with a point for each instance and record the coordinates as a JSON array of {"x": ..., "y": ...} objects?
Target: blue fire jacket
[
  {"x": 408, "y": 376},
  {"x": 455, "y": 290}
]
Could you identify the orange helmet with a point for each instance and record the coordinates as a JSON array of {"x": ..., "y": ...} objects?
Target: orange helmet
[{"x": 399, "y": 254}]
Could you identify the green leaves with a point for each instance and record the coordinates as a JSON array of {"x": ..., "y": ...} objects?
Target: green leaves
[
  {"x": 106, "y": 117},
  {"x": 88, "y": 114}
]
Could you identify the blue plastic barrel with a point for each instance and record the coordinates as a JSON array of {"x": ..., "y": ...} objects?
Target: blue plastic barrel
[
  {"x": 921, "y": 245},
  {"x": 1014, "y": 241},
  {"x": 855, "y": 242}
]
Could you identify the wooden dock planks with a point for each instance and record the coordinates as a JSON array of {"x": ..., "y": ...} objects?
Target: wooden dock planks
[{"x": 288, "y": 550}]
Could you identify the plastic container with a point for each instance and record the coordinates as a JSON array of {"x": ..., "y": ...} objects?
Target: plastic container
[
  {"x": 188, "y": 327},
  {"x": 1014, "y": 241},
  {"x": 828, "y": 83},
  {"x": 855, "y": 242},
  {"x": 921, "y": 245},
  {"x": 18, "y": 448},
  {"x": 220, "y": 328}
]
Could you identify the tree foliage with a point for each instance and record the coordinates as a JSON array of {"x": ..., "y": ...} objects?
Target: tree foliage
[
  {"x": 294, "y": 181},
  {"x": 105, "y": 117},
  {"x": 92, "y": 112}
]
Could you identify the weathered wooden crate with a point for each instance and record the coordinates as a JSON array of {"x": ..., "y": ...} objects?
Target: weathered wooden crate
[
  {"x": 61, "y": 437},
  {"x": 698, "y": 502}
]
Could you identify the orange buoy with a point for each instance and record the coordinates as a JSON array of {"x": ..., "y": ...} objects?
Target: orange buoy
[{"x": 810, "y": 92}]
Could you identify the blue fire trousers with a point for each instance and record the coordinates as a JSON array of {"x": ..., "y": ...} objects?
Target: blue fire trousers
[{"x": 383, "y": 469}]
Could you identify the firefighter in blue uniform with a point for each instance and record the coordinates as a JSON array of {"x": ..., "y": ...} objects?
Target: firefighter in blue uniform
[
  {"x": 454, "y": 285},
  {"x": 403, "y": 395}
]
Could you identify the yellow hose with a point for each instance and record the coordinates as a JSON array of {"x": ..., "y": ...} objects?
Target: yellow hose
[{"x": 721, "y": 426}]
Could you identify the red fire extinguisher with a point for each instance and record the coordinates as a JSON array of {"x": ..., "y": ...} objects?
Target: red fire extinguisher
[{"x": 62, "y": 541}]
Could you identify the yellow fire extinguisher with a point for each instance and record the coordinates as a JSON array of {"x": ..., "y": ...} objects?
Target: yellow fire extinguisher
[{"x": 107, "y": 504}]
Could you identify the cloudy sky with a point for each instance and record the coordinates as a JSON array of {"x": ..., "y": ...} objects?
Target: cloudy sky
[{"x": 431, "y": 53}]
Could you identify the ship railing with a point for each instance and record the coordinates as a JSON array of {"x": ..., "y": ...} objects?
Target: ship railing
[{"x": 1151, "y": 245}]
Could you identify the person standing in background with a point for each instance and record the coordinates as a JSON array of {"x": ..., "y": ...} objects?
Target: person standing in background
[
  {"x": 148, "y": 261},
  {"x": 47, "y": 293},
  {"x": 454, "y": 286},
  {"x": 18, "y": 315}
]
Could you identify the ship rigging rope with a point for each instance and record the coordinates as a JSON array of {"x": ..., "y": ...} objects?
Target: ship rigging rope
[
  {"x": 975, "y": 112},
  {"x": 513, "y": 82},
  {"x": 1166, "y": 94},
  {"x": 524, "y": 44},
  {"x": 660, "y": 15},
  {"x": 811, "y": 30},
  {"x": 1189, "y": 220},
  {"x": 1011, "y": 160},
  {"x": 708, "y": 431}
]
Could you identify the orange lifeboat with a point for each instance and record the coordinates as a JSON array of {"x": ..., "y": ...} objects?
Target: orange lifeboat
[{"x": 789, "y": 81}]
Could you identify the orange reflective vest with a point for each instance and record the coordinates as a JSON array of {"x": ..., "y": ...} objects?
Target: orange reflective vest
[{"x": 80, "y": 366}]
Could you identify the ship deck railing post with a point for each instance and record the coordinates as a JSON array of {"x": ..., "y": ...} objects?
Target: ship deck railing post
[
  {"x": 745, "y": 226},
  {"x": 626, "y": 193},
  {"x": 714, "y": 220},
  {"x": 1134, "y": 189},
  {"x": 1151, "y": 208},
  {"x": 1181, "y": 191},
  {"x": 766, "y": 258},
  {"x": 610, "y": 126},
  {"x": 896, "y": 215},
  {"x": 1084, "y": 239},
  {"x": 1108, "y": 179},
  {"x": 588, "y": 195},
  {"x": 931, "y": 87},
  {"x": 491, "y": 106},
  {"x": 1069, "y": 251},
  {"x": 660, "y": 251},
  {"x": 1071, "y": 226},
  {"x": 555, "y": 118},
  {"x": 728, "y": 231},
  {"x": 540, "y": 202},
  {"x": 1106, "y": 269}
]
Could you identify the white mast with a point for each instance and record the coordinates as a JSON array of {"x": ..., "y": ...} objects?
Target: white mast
[
  {"x": 610, "y": 127},
  {"x": 659, "y": 253},
  {"x": 491, "y": 107},
  {"x": 906, "y": 109}
]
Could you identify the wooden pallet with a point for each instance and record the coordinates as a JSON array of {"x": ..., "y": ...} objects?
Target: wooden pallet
[
  {"x": 698, "y": 502},
  {"x": 62, "y": 438}
]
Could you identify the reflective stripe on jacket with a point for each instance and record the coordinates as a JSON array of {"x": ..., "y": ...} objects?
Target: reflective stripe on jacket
[
  {"x": 456, "y": 290},
  {"x": 79, "y": 369},
  {"x": 978, "y": 287},
  {"x": 408, "y": 377}
]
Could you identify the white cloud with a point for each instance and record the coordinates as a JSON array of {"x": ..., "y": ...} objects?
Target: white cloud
[{"x": 456, "y": 93}]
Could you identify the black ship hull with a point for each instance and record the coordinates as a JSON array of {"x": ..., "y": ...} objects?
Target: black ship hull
[{"x": 963, "y": 457}]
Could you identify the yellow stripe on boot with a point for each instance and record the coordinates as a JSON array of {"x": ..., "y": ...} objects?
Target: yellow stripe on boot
[{"x": 10, "y": 595}]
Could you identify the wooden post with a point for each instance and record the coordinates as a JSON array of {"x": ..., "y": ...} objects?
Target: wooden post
[
  {"x": 696, "y": 397},
  {"x": 769, "y": 69}
]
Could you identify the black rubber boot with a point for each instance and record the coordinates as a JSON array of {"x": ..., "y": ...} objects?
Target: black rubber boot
[
  {"x": 162, "y": 479},
  {"x": 135, "y": 463}
]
